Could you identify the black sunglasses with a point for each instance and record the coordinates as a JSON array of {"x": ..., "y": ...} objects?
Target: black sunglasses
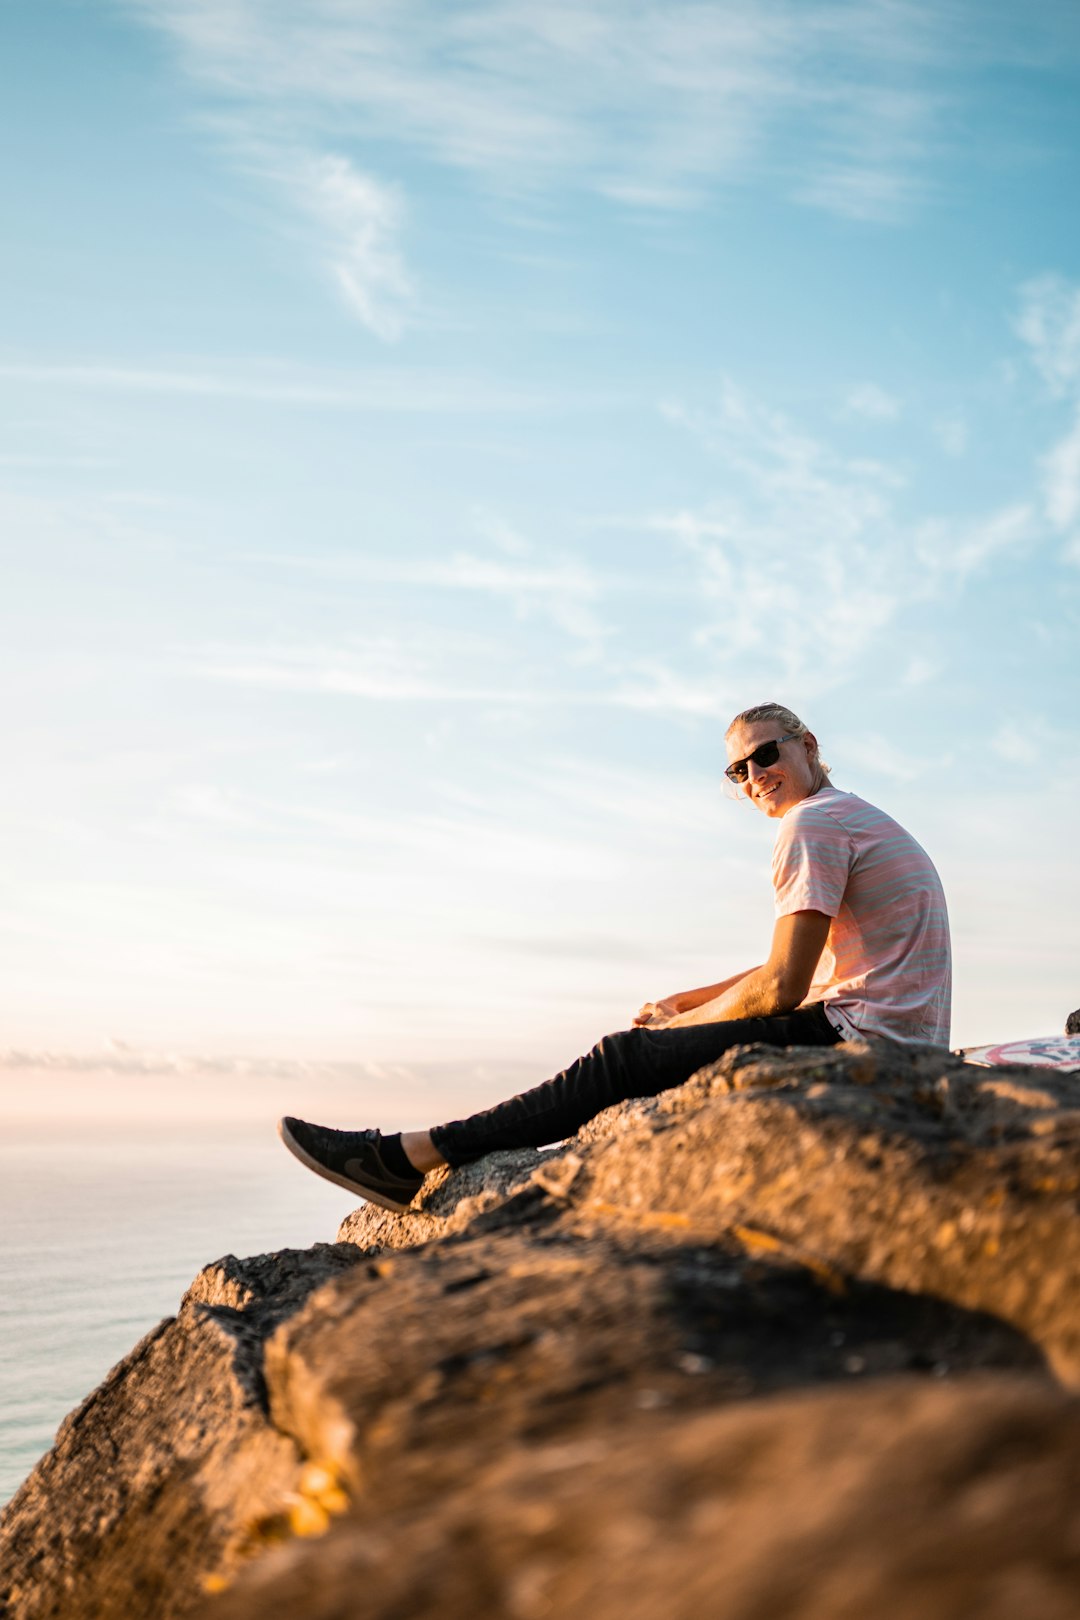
[{"x": 766, "y": 754}]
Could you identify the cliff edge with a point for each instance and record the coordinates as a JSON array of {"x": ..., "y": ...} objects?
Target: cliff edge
[{"x": 799, "y": 1338}]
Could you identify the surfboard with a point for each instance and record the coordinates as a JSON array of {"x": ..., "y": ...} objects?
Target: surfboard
[{"x": 1042, "y": 1052}]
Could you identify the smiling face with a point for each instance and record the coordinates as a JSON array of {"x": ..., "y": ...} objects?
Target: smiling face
[{"x": 775, "y": 789}]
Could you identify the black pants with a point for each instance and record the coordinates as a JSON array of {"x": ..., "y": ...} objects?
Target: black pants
[{"x": 633, "y": 1063}]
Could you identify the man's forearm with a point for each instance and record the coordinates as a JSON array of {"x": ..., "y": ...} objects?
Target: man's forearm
[
  {"x": 687, "y": 1000},
  {"x": 757, "y": 994}
]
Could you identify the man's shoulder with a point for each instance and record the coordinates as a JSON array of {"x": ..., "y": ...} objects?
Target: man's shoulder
[
  {"x": 833, "y": 817},
  {"x": 865, "y": 826},
  {"x": 839, "y": 806},
  {"x": 828, "y": 803},
  {"x": 823, "y": 818}
]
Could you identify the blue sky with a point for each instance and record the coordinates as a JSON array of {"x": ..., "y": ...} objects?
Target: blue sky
[{"x": 424, "y": 425}]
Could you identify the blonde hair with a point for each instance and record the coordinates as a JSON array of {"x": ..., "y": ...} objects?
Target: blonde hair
[{"x": 786, "y": 718}]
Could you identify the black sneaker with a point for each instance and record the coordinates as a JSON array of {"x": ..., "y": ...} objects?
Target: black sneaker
[{"x": 352, "y": 1159}]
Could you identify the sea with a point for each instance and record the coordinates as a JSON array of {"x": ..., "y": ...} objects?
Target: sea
[{"x": 102, "y": 1228}]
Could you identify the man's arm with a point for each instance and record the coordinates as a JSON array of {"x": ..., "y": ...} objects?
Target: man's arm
[
  {"x": 659, "y": 1013},
  {"x": 779, "y": 985}
]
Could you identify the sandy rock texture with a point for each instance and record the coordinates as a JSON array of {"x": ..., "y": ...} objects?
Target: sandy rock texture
[{"x": 799, "y": 1338}]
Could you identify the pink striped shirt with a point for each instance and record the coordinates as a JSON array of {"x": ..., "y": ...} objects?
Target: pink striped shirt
[{"x": 886, "y": 968}]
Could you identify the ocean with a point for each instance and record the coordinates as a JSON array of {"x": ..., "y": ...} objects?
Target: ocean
[{"x": 102, "y": 1230}]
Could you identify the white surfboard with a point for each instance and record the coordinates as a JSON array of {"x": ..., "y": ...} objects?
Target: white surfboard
[{"x": 1042, "y": 1052}]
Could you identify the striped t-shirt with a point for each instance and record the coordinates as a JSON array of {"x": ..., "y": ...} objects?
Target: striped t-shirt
[{"x": 886, "y": 968}]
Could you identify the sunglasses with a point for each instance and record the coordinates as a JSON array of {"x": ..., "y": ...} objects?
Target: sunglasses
[{"x": 767, "y": 754}]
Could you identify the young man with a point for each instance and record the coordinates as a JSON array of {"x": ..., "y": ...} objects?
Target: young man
[{"x": 860, "y": 947}]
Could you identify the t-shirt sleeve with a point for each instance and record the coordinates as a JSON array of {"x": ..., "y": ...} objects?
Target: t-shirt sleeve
[{"x": 811, "y": 865}]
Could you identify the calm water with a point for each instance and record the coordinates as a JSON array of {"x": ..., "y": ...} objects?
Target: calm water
[{"x": 101, "y": 1233}]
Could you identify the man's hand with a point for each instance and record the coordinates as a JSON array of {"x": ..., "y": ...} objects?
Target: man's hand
[
  {"x": 655, "y": 1014},
  {"x": 659, "y": 1014}
]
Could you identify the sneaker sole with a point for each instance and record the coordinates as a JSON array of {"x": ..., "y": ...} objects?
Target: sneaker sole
[{"x": 370, "y": 1195}]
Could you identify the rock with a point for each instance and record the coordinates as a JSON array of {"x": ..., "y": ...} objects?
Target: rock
[
  {"x": 797, "y": 1335},
  {"x": 166, "y": 1472},
  {"x": 1072, "y": 1023},
  {"x": 902, "y": 1166},
  {"x": 912, "y": 1500}
]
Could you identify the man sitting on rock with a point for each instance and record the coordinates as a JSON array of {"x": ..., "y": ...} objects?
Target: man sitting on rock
[{"x": 860, "y": 947}]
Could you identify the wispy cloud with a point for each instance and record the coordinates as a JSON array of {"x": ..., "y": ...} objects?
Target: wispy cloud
[
  {"x": 806, "y": 553},
  {"x": 1061, "y": 472},
  {"x": 653, "y": 687},
  {"x": 950, "y": 547},
  {"x": 564, "y": 590},
  {"x": 126, "y": 1083},
  {"x": 402, "y": 389},
  {"x": 951, "y": 433},
  {"x": 873, "y": 402},
  {"x": 652, "y": 105},
  {"x": 1049, "y": 323},
  {"x": 380, "y": 669},
  {"x": 118, "y": 1057},
  {"x": 882, "y": 757},
  {"x": 920, "y": 670},
  {"x": 1027, "y": 739},
  {"x": 1016, "y": 744},
  {"x": 792, "y": 556},
  {"x": 362, "y": 221}
]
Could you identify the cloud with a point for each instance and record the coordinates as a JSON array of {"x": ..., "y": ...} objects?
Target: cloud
[
  {"x": 805, "y": 553},
  {"x": 125, "y": 1082},
  {"x": 1049, "y": 323},
  {"x": 1029, "y": 739},
  {"x": 920, "y": 670},
  {"x": 373, "y": 389},
  {"x": 633, "y": 795},
  {"x": 1015, "y": 744},
  {"x": 793, "y": 553},
  {"x": 872, "y": 402},
  {"x": 883, "y": 758},
  {"x": 951, "y": 433},
  {"x": 653, "y": 105},
  {"x": 1061, "y": 479},
  {"x": 18, "y": 462},
  {"x": 652, "y": 687},
  {"x": 205, "y": 802},
  {"x": 563, "y": 590},
  {"x": 362, "y": 220},
  {"x": 378, "y": 669},
  {"x": 117, "y": 1057},
  {"x": 949, "y": 547},
  {"x": 501, "y": 534},
  {"x": 861, "y": 191}
]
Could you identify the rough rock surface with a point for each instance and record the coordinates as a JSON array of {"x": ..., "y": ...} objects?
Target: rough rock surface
[
  {"x": 169, "y": 1467},
  {"x": 797, "y": 1338},
  {"x": 902, "y": 1499}
]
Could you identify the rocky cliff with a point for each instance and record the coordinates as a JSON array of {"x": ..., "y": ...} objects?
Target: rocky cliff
[{"x": 797, "y": 1339}]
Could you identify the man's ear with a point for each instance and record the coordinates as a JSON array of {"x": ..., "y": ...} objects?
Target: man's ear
[{"x": 811, "y": 744}]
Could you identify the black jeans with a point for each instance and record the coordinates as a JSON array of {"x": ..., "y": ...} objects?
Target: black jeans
[{"x": 633, "y": 1063}]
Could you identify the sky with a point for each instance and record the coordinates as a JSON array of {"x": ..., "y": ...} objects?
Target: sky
[{"x": 422, "y": 427}]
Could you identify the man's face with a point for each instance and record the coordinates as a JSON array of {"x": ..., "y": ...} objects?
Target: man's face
[{"x": 774, "y": 789}]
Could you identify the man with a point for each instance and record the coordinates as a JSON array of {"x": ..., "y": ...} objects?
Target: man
[{"x": 860, "y": 947}]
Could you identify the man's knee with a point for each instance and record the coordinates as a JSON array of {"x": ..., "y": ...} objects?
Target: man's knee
[{"x": 618, "y": 1041}]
